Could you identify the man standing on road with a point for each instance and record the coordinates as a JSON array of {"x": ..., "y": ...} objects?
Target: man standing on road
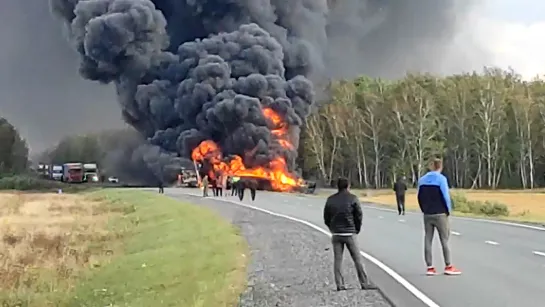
[
  {"x": 400, "y": 187},
  {"x": 161, "y": 188},
  {"x": 343, "y": 217},
  {"x": 223, "y": 186},
  {"x": 214, "y": 183},
  {"x": 234, "y": 185},
  {"x": 240, "y": 185},
  {"x": 205, "y": 186},
  {"x": 435, "y": 203},
  {"x": 252, "y": 184}
]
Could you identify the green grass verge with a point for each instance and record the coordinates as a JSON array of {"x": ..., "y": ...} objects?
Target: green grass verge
[
  {"x": 175, "y": 254},
  {"x": 157, "y": 252}
]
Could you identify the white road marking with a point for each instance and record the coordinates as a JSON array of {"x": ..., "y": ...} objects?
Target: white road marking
[
  {"x": 538, "y": 253},
  {"x": 402, "y": 221},
  {"x": 455, "y": 233},
  {"x": 380, "y": 217},
  {"x": 468, "y": 219},
  {"x": 491, "y": 242},
  {"x": 402, "y": 281}
]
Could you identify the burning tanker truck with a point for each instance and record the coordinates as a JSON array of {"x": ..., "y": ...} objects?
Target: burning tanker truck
[{"x": 223, "y": 85}]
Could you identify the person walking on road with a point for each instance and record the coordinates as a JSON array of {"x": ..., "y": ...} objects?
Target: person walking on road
[
  {"x": 234, "y": 185},
  {"x": 205, "y": 186},
  {"x": 252, "y": 185},
  {"x": 214, "y": 183},
  {"x": 223, "y": 186},
  {"x": 161, "y": 188},
  {"x": 400, "y": 187},
  {"x": 240, "y": 185},
  {"x": 343, "y": 217},
  {"x": 435, "y": 203}
]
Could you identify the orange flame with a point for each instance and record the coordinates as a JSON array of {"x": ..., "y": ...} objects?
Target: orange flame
[
  {"x": 280, "y": 128},
  {"x": 276, "y": 171}
]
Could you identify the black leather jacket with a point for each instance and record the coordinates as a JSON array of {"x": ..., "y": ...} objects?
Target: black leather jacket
[{"x": 342, "y": 213}]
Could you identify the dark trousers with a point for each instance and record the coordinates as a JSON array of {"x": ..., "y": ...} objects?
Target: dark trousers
[
  {"x": 339, "y": 242},
  {"x": 161, "y": 190},
  {"x": 400, "y": 199},
  {"x": 240, "y": 193},
  {"x": 220, "y": 192},
  {"x": 233, "y": 190},
  {"x": 252, "y": 193}
]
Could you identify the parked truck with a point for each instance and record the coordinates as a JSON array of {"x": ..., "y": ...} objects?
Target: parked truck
[
  {"x": 43, "y": 170},
  {"x": 90, "y": 172},
  {"x": 56, "y": 172},
  {"x": 72, "y": 172}
]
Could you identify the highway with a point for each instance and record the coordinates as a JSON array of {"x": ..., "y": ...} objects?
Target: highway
[{"x": 503, "y": 265}]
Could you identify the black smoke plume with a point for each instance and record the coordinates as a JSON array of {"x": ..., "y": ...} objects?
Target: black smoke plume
[
  {"x": 190, "y": 70},
  {"x": 211, "y": 86},
  {"x": 128, "y": 156}
]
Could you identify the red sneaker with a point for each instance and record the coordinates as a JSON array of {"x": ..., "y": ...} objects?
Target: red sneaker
[
  {"x": 451, "y": 270},
  {"x": 431, "y": 271}
]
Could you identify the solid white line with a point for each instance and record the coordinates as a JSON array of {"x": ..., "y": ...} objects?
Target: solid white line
[
  {"x": 491, "y": 242},
  {"x": 539, "y": 253},
  {"x": 455, "y": 233},
  {"x": 468, "y": 219},
  {"x": 407, "y": 285}
]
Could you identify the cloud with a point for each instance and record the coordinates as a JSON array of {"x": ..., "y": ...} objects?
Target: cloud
[
  {"x": 493, "y": 39},
  {"x": 515, "y": 45}
]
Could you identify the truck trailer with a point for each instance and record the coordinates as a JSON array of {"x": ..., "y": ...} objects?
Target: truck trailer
[
  {"x": 56, "y": 172},
  {"x": 90, "y": 172},
  {"x": 72, "y": 172}
]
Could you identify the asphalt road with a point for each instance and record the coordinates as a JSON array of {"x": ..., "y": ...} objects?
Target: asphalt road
[{"x": 503, "y": 265}]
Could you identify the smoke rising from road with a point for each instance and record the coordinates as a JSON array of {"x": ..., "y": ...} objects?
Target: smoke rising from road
[{"x": 191, "y": 70}]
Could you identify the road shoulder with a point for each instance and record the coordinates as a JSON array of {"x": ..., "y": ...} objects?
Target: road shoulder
[{"x": 291, "y": 264}]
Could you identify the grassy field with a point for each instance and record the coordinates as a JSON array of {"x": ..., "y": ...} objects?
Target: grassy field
[
  {"x": 526, "y": 206},
  {"x": 116, "y": 247}
]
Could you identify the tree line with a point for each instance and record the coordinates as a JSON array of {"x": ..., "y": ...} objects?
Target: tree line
[
  {"x": 488, "y": 128},
  {"x": 13, "y": 150}
]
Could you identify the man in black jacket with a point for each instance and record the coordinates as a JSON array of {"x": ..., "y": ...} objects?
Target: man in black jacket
[
  {"x": 400, "y": 187},
  {"x": 343, "y": 217}
]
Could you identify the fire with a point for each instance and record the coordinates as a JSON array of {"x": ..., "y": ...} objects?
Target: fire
[
  {"x": 276, "y": 171},
  {"x": 280, "y": 128}
]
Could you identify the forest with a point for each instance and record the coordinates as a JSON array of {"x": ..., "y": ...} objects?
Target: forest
[
  {"x": 487, "y": 127},
  {"x": 13, "y": 150}
]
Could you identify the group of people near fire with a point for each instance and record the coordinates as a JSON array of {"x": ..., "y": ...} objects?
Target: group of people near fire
[
  {"x": 342, "y": 214},
  {"x": 222, "y": 182}
]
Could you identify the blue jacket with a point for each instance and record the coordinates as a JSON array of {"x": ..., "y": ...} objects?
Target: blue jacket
[{"x": 433, "y": 194}]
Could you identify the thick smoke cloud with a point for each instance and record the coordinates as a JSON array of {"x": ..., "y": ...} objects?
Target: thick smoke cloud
[
  {"x": 212, "y": 88},
  {"x": 190, "y": 70},
  {"x": 129, "y": 156}
]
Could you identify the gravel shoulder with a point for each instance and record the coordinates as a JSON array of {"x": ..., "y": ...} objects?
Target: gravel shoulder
[{"x": 291, "y": 264}]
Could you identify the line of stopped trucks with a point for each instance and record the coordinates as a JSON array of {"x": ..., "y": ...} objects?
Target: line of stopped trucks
[{"x": 74, "y": 173}]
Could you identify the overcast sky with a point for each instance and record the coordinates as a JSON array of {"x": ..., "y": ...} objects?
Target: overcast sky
[
  {"x": 514, "y": 32},
  {"x": 42, "y": 94}
]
